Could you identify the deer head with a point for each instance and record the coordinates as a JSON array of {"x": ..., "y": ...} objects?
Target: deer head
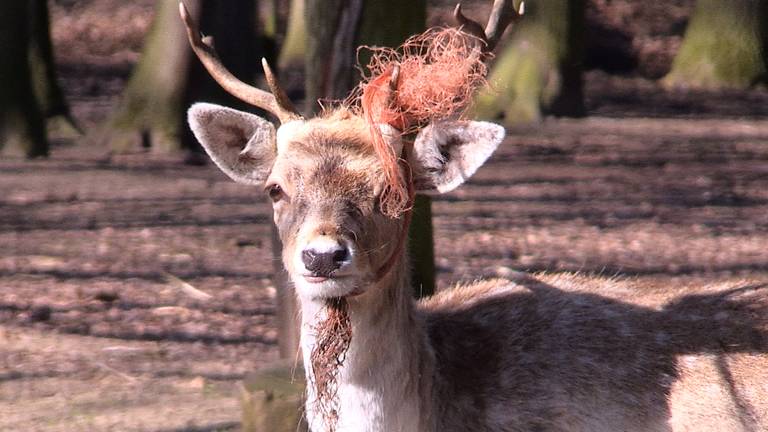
[{"x": 324, "y": 178}]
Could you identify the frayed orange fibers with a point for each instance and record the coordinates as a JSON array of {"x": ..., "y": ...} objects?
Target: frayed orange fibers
[{"x": 439, "y": 70}]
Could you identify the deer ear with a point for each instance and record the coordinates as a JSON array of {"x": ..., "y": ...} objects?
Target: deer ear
[
  {"x": 241, "y": 144},
  {"x": 448, "y": 153}
]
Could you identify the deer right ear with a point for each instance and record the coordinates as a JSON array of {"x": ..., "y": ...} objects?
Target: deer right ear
[
  {"x": 241, "y": 144},
  {"x": 447, "y": 153}
]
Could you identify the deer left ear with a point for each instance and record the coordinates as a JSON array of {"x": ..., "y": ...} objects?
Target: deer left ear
[{"x": 448, "y": 153}]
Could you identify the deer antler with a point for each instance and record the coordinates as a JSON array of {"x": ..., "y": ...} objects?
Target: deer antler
[
  {"x": 276, "y": 102},
  {"x": 502, "y": 15}
]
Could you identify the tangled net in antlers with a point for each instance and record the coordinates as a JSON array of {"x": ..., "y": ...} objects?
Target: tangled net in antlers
[
  {"x": 334, "y": 335},
  {"x": 439, "y": 70}
]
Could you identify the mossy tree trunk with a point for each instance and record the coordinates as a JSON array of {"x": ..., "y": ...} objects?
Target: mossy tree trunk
[
  {"x": 150, "y": 111},
  {"x": 268, "y": 17},
  {"x": 22, "y": 126},
  {"x": 421, "y": 248},
  {"x": 47, "y": 90},
  {"x": 167, "y": 78},
  {"x": 329, "y": 62},
  {"x": 539, "y": 72},
  {"x": 725, "y": 45},
  {"x": 294, "y": 46}
]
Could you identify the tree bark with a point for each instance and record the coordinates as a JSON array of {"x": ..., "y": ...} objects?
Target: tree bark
[
  {"x": 287, "y": 314},
  {"x": 540, "y": 71},
  {"x": 421, "y": 248},
  {"x": 294, "y": 47},
  {"x": 240, "y": 45},
  {"x": 330, "y": 57},
  {"x": 725, "y": 45},
  {"x": 151, "y": 109},
  {"x": 22, "y": 126},
  {"x": 48, "y": 93},
  {"x": 167, "y": 78}
]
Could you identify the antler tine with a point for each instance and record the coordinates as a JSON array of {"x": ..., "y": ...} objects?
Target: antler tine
[
  {"x": 277, "y": 91},
  {"x": 502, "y": 15},
  {"x": 276, "y": 102},
  {"x": 394, "y": 80},
  {"x": 467, "y": 25}
]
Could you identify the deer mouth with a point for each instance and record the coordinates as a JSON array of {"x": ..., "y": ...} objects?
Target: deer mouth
[
  {"x": 330, "y": 286},
  {"x": 316, "y": 278}
]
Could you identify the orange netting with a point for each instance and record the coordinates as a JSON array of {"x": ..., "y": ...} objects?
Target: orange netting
[
  {"x": 333, "y": 338},
  {"x": 439, "y": 70}
]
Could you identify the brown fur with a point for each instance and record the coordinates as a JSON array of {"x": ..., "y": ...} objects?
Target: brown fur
[{"x": 567, "y": 349}]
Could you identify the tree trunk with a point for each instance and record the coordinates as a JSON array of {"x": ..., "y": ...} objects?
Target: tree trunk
[
  {"x": 47, "y": 90},
  {"x": 539, "y": 72},
  {"x": 330, "y": 57},
  {"x": 151, "y": 108},
  {"x": 295, "y": 44},
  {"x": 268, "y": 18},
  {"x": 725, "y": 45},
  {"x": 22, "y": 127},
  {"x": 421, "y": 248},
  {"x": 287, "y": 314},
  {"x": 167, "y": 77}
]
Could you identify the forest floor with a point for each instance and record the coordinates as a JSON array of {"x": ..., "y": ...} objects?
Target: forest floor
[{"x": 135, "y": 290}]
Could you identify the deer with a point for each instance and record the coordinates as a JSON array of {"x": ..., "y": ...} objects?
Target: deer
[{"x": 533, "y": 352}]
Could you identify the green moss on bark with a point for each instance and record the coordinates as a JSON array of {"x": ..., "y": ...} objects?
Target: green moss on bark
[
  {"x": 294, "y": 48},
  {"x": 539, "y": 70},
  {"x": 151, "y": 111},
  {"x": 724, "y": 46}
]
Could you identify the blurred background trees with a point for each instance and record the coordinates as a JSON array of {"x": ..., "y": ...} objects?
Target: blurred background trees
[
  {"x": 22, "y": 123},
  {"x": 295, "y": 43},
  {"x": 150, "y": 111},
  {"x": 725, "y": 45},
  {"x": 540, "y": 70},
  {"x": 167, "y": 78},
  {"x": 48, "y": 93}
]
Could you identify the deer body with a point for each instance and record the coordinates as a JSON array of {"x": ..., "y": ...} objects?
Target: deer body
[
  {"x": 550, "y": 353},
  {"x": 545, "y": 353}
]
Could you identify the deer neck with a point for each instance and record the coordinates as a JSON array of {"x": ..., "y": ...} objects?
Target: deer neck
[{"x": 385, "y": 381}]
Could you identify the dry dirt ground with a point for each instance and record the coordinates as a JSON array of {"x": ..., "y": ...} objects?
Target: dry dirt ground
[{"x": 135, "y": 290}]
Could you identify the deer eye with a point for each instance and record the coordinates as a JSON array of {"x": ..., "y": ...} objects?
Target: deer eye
[{"x": 275, "y": 192}]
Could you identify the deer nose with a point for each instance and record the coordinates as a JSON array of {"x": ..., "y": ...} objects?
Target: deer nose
[{"x": 325, "y": 262}]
